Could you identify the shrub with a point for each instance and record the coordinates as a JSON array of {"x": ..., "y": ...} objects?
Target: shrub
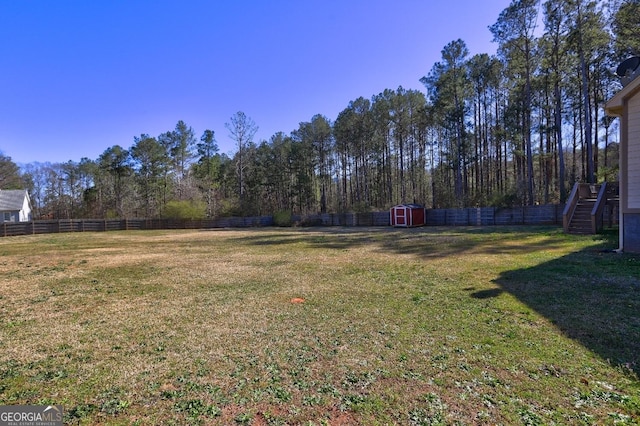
[
  {"x": 282, "y": 218},
  {"x": 185, "y": 210},
  {"x": 507, "y": 200},
  {"x": 361, "y": 207},
  {"x": 230, "y": 208}
]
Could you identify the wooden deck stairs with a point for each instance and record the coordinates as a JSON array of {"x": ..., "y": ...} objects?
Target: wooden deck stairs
[{"x": 587, "y": 207}]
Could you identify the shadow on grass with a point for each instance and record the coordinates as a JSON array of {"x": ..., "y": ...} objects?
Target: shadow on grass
[
  {"x": 424, "y": 242},
  {"x": 592, "y": 296}
]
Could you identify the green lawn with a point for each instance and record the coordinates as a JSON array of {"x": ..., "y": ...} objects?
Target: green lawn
[{"x": 420, "y": 326}]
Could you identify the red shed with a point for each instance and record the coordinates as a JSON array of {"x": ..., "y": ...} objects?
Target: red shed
[{"x": 408, "y": 215}]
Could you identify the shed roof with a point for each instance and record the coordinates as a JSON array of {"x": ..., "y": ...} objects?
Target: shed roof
[
  {"x": 410, "y": 205},
  {"x": 12, "y": 199}
]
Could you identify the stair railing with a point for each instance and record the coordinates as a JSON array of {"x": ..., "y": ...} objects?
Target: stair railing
[
  {"x": 570, "y": 207},
  {"x": 597, "y": 213}
]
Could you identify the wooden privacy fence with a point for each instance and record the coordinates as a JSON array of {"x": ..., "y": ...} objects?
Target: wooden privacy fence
[
  {"x": 483, "y": 216},
  {"x": 8, "y": 229}
]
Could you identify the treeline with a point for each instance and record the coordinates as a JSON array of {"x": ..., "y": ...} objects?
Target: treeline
[{"x": 516, "y": 128}]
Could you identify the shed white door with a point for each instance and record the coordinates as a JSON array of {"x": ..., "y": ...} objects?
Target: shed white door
[{"x": 401, "y": 217}]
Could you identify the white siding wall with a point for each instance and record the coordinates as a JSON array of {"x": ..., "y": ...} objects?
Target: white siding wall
[
  {"x": 633, "y": 154},
  {"x": 25, "y": 213}
]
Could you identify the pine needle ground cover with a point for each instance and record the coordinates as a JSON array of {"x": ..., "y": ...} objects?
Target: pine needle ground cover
[{"x": 390, "y": 326}]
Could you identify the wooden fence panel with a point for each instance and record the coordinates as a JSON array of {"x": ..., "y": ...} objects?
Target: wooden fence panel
[
  {"x": 381, "y": 219},
  {"x": 12, "y": 229},
  {"x": 506, "y": 217},
  {"x": 457, "y": 217},
  {"x": 542, "y": 215},
  {"x": 485, "y": 217},
  {"x": 95, "y": 225},
  {"x": 436, "y": 217},
  {"x": 45, "y": 227},
  {"x": 363, "y": 219}
]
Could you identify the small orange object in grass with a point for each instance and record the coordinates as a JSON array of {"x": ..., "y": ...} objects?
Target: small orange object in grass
[{"x": 297, "y": 300}]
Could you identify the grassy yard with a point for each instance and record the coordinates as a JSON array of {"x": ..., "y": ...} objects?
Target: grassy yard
[{"x": 422, "y": 326}]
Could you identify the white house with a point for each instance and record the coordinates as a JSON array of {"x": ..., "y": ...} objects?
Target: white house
[
  {"x": 626, "y": 105},
  {"x": 15, "y": 205}
]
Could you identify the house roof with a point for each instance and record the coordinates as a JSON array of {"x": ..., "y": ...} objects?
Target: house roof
[
  {"x": 615, "y": 105},
  {"x": 12, "y": 199}
]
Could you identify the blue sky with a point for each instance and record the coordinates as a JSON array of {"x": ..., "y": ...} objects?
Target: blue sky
[{"x": 80, "y": 76}]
